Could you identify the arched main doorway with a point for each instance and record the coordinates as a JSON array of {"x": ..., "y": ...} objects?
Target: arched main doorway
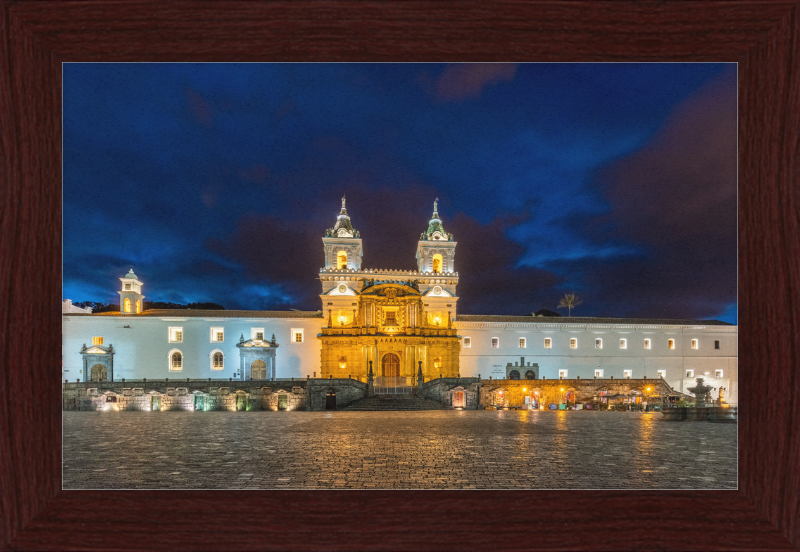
[
  {"x": 258, "y": 370},
  {"x": 99, "y": 373},
  {"x": 391, "y": 365}
]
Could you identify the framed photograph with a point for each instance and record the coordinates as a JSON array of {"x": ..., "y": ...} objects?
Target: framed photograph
[{"x": 41, "y": 36}]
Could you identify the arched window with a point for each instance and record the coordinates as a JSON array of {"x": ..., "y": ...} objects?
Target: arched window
[
  {"x": 138, "y": 306},
  {"x": 514, "y": 375},
  {"x": 219, "y": 361},
  {"x": 127, "y": 305},
  {"x": 341, "y": 259},
  {"x": 175, "y": 358},
  {"x": 530, "y": 375},
  {"x": 437, "y": 263}
]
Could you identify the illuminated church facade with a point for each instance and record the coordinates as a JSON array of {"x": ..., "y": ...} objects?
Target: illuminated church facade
[{"x": 402, "y": 323}]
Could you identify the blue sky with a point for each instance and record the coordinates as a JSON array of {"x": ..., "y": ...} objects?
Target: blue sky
[{"x": 217, "y": 181}]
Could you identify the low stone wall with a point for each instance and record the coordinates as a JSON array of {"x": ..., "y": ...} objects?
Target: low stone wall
[
  {"x": 443, "y": 390},
  {"x": 346, "y": 390},
  {"x": 162, "y": 395},
  {"x": 513, "y": 392}
]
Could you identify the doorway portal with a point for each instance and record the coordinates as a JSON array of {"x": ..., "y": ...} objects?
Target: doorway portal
[
  {"x": 99, "y": 373},
  {"x": 391, "y": 365}
]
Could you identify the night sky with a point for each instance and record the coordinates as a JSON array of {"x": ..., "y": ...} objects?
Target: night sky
[{"x": 216, "y": 182}]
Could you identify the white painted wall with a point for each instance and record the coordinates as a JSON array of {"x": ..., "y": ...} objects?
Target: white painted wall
[
  {"x": 142, "y": 349},
  {"x": 482, "y": 359}
]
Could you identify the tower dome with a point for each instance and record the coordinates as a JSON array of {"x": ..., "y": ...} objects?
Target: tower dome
[
  {"x": 343, "y": 228},
  {"x": 435, "y": 229}
]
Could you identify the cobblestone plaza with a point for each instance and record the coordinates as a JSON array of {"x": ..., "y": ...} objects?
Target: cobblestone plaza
[{"x": 395, "y": 450}]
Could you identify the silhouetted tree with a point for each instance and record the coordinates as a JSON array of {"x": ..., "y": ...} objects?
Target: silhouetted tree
[{"x": 569, "y": 301}]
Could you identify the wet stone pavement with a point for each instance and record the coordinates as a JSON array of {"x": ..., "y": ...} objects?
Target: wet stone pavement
[{"x": 395, "y": 450}]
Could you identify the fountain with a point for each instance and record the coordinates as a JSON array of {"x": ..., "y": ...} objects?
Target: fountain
[{"x": 701, "y": 412}]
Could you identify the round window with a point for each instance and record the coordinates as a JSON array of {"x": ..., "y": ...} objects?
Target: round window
[
  {"x": 437, "y": 290},
  {"x": 342, "y": 288}
]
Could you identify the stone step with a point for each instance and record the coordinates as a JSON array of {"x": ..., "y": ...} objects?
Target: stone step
[{"x": 383, "y": 403}]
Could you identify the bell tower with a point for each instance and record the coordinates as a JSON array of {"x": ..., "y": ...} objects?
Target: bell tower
[
  {"x": 436, "y": 249},
  {"x": 342, "y": 244},
  {"x": 131, "y": 300}
]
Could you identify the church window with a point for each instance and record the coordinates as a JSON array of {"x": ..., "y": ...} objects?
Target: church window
[
  {"x": 598, "y": 373},
  {"x": 257, "y": 334},
  {"x": 437, "y": 263},
  {"x": 671, "y": 344},
  {"x": 175, "y": 335},
  {"x": 694, "y": 344},
  {"x": 548, "y": 343},
  {"x": 217, "y": 335},
  {"x": 176, "y": 361},
  {"x": 562, "y": 373},
  {"x": 627, "y": 374},
  {"x": 127, "y": 305},
  {"x": 689, "y": 373},
  {"x": 297, "y": 335},
  {"x": 467, "y": 342},
  {"x": 716, "y": 344},
  {"x": 260, "y": 336},
  {"x": 717, "y": 373},
  {"x": 495, "y": 343},
  {"x": 127, "y": 287},
  {"x": 97, "y": 341},
  {"x": 521, "y": 342},
  {"x": 646, "y": 343},
  {"x": 390, "y": 318},
  {"x": 598, "y": 343},
  {"x": 573, "y": 343},
  {"x": 623, "y": 343},
  {"x": 217, "y": 361},
  {"x": 341, "y": 260},
  {"x": 138, "y": 306},
  {"x": 662, "y": 374}
]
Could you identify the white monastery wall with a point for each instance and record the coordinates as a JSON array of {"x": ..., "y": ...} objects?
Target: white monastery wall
[{"x": 142, "y": 348}]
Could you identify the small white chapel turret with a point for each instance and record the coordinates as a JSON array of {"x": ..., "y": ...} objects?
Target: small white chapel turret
[
  {"x": 342, "y": 244},
  {"x": 131, "y": 300}
]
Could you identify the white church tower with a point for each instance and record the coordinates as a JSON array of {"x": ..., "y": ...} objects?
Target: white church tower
[
  {"x": 436, "y": 249},
  {"x": 131, "y": 300},
  {"x": 342, "y": 244}
]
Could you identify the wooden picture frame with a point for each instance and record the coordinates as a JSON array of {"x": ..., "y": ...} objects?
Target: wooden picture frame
[{"x": 763, "y": 37}]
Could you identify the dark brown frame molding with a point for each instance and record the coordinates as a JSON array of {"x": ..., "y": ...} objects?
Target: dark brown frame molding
[{"x": 762, "y": 36}]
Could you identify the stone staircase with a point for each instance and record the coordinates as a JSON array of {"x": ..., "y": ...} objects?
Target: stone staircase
[{"x": 393, "y": 403}]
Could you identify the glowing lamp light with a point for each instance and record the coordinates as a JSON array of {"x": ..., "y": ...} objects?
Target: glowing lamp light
[
  {"x": 524, "y": 388},
  {"x": 342, "y": 365},
  {"x": 341, "y": 319},
  {"x": 562, "y": 388},
  {"x": 648, "y": 389},
  {"x": 437, "y": 320}
]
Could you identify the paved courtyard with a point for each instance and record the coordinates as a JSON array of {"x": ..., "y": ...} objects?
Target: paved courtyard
[{"x": 395, "y": 450}]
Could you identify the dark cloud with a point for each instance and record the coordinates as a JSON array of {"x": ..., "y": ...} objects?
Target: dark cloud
[
  {"x": 675, "y": 199},
  {"x": 462, "y": 81}
]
